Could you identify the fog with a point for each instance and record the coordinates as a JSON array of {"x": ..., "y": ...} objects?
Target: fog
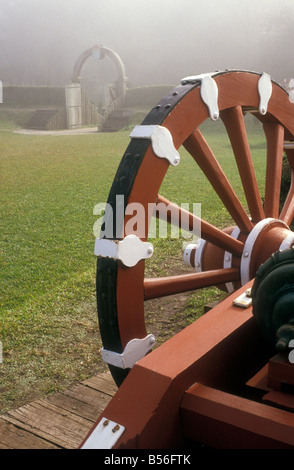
[{"x": 159, "y": 41}]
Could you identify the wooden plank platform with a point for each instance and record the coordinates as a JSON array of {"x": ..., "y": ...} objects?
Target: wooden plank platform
[{"x": 60, "y": 421}]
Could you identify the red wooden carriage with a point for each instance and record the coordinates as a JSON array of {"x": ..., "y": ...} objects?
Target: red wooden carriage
[{"x": 224, "y": 381}]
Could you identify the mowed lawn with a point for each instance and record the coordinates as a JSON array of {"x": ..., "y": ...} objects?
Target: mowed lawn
[{"x": 49, "y": 186}]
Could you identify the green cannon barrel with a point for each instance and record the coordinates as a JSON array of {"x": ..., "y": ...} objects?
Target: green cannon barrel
[{"x": 273, "y": 298}]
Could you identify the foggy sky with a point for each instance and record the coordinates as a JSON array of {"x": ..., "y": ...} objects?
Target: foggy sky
[{"x": 159, "y": 41}]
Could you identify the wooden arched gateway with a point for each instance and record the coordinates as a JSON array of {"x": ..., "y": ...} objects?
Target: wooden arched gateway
[{"x": 217, "y": 382}]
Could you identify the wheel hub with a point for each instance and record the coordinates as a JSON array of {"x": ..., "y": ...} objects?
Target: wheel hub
[{"x": 267, "y": 236}]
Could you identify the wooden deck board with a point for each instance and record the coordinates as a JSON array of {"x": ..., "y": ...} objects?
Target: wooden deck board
[{"x": 59, "y": 421}]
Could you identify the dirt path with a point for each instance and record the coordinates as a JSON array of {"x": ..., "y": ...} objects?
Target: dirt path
[{"x": 82, "y": 130}]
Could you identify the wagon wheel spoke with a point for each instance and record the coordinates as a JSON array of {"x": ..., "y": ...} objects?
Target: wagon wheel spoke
[
  {"x": 209, "y": 232},
  {"x": 169, "y": 285},
  {"x": 197, "y": 146},
  {"x": 274, "y": 133},
  {"x": 287, "y": 212},
  {"x": 234, "y": 122}
]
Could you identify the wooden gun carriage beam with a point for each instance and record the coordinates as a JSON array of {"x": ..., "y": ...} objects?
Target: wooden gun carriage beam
[{"x": 218, "y": 382}]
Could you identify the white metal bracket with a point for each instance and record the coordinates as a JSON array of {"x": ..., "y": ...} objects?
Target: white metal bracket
[
  {"x": 129, "y": 251},
  {"x": 104, "y": 435},
  {"x": 265, "y": 89},
  {"x": 208, "y": 92},
  {"x": 135, "y": 350},
  {"x": 161, "y": 140},
  {"x": 187, "y": 253},
  {"x": 244, "y": 300},
  {"x": 198, "y": 247}
]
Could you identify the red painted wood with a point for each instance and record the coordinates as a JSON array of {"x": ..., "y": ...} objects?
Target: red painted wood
[
  {"x": 235, "y": 125},
  {"x": 274, "y": 133},
  {"x": 169, "y": 285},
  {"x": 148, "y": 401},
  {"x": 197, "y": 146},
  {"x": 280, "y": 372},
  {"x": 282, "y": 399},
  {"x": 208, "y": 231},
  {"x": 224, "y": 416}
]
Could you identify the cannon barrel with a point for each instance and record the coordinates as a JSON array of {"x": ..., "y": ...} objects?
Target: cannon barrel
[{"x": 273, "y": 298}]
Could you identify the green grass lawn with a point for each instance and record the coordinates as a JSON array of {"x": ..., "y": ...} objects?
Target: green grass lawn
[{"x": 49, "y": 187}]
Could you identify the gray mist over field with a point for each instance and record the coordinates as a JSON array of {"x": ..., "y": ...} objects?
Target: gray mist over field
[{"x": 159, "y": 41}]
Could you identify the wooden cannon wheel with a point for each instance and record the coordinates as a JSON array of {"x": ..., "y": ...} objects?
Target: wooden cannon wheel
[{"x": 229, "y": 257}]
